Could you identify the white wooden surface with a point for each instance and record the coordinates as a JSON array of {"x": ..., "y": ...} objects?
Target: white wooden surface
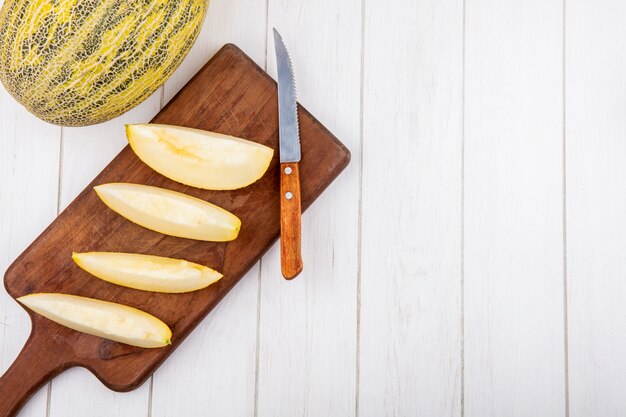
[
  {"x": 410, "y": 325},
  {"x": 513, "y": 217},
  {"x": 596, "y": 201},
  {"x": 468, "y": 262}
]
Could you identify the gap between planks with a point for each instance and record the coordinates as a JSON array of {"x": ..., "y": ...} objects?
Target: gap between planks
[
  {"x": 462, "y": 283},
  {"x": 257, "y": 353},
  {"x": 360, "y": 217},
  {"x": 564, "y": 196}
]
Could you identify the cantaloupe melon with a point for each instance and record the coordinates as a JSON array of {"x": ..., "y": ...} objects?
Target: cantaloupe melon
[
  {"x": 199, "y": 158},
  {"x": 101, "y": 318},
  {"x": 170, "y": 212},
  {"x": 147, "y": 272},
  {"x": 82, "y": 62}
]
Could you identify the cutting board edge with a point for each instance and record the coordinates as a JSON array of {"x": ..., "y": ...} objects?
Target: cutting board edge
[{"x": 142, "y": 377}]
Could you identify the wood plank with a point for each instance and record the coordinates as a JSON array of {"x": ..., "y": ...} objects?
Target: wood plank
[
  {"x": 213, "y": 372},
  {"x": 596, "y": 204},
  {"x": 29, "y": 163},
  {"x": 307, "y": 361},
  {"x": 410, "y": 362},
  {"x": 242, "y": 22},
  {"x": 86, "y": 151},
  {"x": 514, "y": 311},
  {"x": 218, "y": 362}
]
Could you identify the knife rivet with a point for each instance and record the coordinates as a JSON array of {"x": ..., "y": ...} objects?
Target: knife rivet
[
  {"x": 288, "y": 195},
  {"x": 288, "y": 170}
]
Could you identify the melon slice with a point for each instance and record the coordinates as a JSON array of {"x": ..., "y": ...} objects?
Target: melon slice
[
  {"x": 147, "y": 272},
  {"x": 199, "y": 158},
  {"x": 101, "y": 318},
  {"x": 169, "y": 212}
]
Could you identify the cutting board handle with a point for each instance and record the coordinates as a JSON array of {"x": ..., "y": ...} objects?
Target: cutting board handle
[{"x": 31, "y": 369}]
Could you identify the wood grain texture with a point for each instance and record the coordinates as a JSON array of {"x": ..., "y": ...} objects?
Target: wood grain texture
[
  {"x": 29, "y": 163},
  {"x": 596, "y": 206},
  {"x": 410, "y": 339},
  {"x": 222, "y": 350},
  {"x": 514, "y": 323},
  {"x": 85, "y": 152},
  {"x": 212, "y": 373},
  {"x": 290, "y": 221},
  {"x": 33, "y": 368},
  {"x": 231, "y": 86},
  {"x": 307, "y": 351}
]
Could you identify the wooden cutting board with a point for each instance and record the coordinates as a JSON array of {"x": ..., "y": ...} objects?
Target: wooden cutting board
[{"x": 231, "y": 95}]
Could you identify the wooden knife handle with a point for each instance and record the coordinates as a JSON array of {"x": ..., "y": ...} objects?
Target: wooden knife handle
[
  {"x": 290, "y": 220},
  {"x": 30, "y": 371}
]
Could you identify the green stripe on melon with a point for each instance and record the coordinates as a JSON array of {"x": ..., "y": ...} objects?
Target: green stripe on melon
[{"x": 82, "y": 62}]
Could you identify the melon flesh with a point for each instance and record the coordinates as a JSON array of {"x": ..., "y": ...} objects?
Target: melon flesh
[
  {"x": 111, "y": 321},
  {"x": 199, "y": 158},
  {"x": 170, "y": 212},
  {"x": 147, "y": 272}
]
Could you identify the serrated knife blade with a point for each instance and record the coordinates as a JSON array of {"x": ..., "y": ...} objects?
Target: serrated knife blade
[
  {"x": 289, "y": 131},
  {"x": 289, "y": 148}
]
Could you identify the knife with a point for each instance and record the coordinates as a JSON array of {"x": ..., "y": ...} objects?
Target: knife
[{"x": 289, "y": 138}]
